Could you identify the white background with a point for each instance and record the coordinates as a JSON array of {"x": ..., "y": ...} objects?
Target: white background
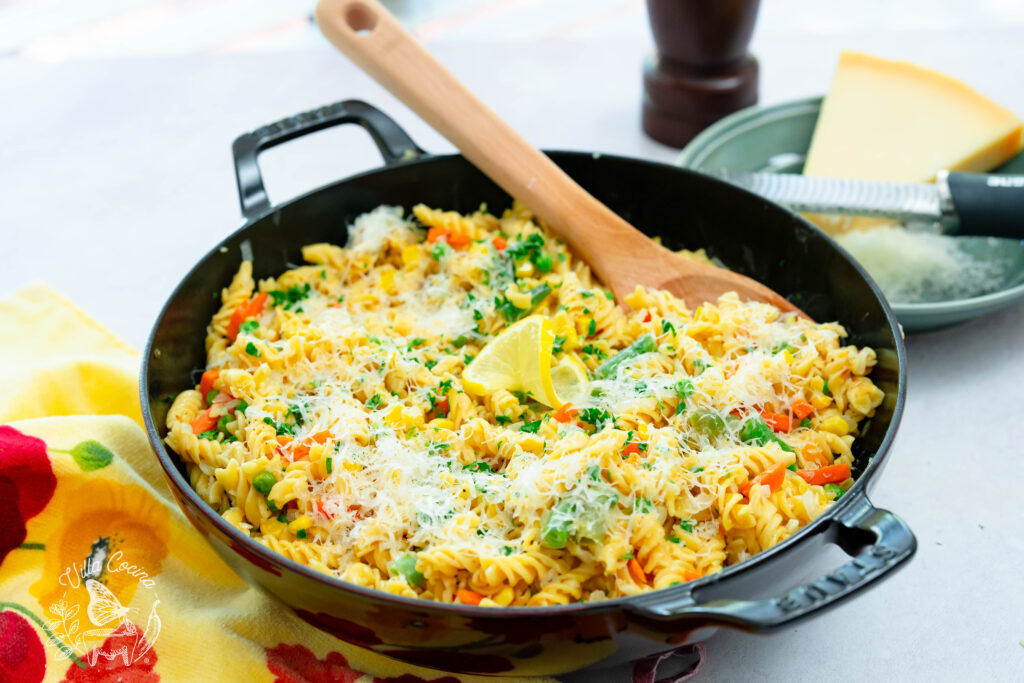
[{"x": 115, "y": 177}]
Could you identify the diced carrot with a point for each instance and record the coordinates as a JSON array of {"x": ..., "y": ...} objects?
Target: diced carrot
[
  {"x": 300, "y": 450},
  {"x": 435, "y": 233},
  {"x": 284, "y": 440},
  {"x": 237, "y": 318},
  {"x": 631, "y": 448},
  {"x": 772, "y": 478},
  {"x": 204, "y": 422},
  {"x": 813, "y": 453},
  {"x": 636, "y": 571},
  {"x": 245, "y": 310},
  {"x": 833, "y": 474},
  {"x": 458, "y": 239},
  {"x": 566, "y": 412},
  {"x": 691, "y": 575},
  {"x": 357, "y": 512},
  {"x": 801, "y": 408},
  {"x": 320, "y": 508},
  {"x": 647, "y": 317},
  {"x": 777, "y": 421},
  {"x": 469, "y": 597},
  {"x": 256, "y": 305},
  {"x": 321, "y": 437},
  {"x": 440, "y": 408},
  {"x": 500, "y": 243},
  {"x": 206, "y": 383}
]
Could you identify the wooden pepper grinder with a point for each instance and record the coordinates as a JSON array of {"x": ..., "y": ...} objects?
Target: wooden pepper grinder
[{"x": 702, "y": 70}]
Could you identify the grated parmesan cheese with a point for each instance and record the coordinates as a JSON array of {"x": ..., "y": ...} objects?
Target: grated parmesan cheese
[{"x": 919, "y": 267}]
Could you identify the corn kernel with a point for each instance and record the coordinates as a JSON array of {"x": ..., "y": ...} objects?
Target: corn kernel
[
  {"x": 636, "y": 299},
  {"x": 441, "y": 423},
  {"x": 387, "y": 281},
  {"x": 524, "y": 269},
  {"x": 836, "y": 425},
  {"x": 788, "y": 357},
  {"x": 821, "y": 401},
  {"x": 504, "y": 596},
  {"x": 410, "y": 254},
  {"x": 352, "y": 466},
  {"x": 394, "y": 416},
  {"x": 301, "y": 522}
]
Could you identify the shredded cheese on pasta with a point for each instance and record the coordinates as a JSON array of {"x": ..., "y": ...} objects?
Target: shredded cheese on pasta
[{"x": 343, "y": 439}]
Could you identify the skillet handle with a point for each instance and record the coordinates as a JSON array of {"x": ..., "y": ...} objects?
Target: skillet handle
[
  {"x": 394, "y": 144},
  {"x": 879, "y": 542}
]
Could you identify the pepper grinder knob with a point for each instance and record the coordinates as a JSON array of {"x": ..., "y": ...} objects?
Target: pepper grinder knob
[{"x": 702, "y": 70}]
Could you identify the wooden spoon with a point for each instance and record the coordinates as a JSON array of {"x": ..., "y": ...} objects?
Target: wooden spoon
[{"x": 619, "y": 254}]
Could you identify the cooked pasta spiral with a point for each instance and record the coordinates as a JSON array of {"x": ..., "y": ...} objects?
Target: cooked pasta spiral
[{"x": 332, "y": 426}]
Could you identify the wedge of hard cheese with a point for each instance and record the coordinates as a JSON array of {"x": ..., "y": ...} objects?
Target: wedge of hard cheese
[{"x": 887, "y": 120}]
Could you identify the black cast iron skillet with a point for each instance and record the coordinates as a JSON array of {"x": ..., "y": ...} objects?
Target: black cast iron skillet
[{"x": 748, "y": 233}]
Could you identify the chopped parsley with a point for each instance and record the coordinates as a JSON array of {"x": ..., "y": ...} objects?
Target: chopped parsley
[
  {"x": 374, "y": 401},
  {"x": 291, "y": 296},
  {"x": 667, "y": 327},
  {"x": 595, "y": 416},
  {"x": 779, "y": 348},
  {"x": 686, "y": 525},
  {"x": 251, "y": 349},
  {"x": 531, "y": 427},
  {"x": 248, "y": 326},
  {"x": 478, "y": 466}
]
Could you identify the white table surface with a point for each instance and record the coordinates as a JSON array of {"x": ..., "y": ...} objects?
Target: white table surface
[{"x": 115, "y": 177}]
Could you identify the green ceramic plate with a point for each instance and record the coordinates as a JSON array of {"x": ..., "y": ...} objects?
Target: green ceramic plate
[{"x": 776, "y": 138}]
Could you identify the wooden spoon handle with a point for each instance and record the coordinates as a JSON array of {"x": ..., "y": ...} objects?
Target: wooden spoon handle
[{"x": 372, "y": 38}]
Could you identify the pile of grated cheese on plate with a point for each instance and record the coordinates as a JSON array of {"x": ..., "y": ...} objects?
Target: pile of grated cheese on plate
[{"x": 918, "y": 267}]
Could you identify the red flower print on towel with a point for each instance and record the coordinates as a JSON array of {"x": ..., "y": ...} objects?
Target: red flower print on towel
[
  {"x": 22, "y": 657},
  {"x": 297, "y": 664},
  {"x": 26, "y": 479},
  {"x": 124, "y": 657}
]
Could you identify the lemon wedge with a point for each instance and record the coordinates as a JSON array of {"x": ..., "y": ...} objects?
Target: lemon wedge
[{"x": 518, "y": 359}]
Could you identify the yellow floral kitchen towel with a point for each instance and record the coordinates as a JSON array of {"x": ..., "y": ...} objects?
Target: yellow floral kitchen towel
[{"x": 102, "y": 578}]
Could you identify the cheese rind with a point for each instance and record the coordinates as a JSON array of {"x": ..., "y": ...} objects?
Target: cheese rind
[{"x": 889, "y": 120}]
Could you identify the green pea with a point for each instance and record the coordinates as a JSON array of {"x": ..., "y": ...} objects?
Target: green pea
[
  {"x": 707, "y": 422},
  {"x": 405, "y": 566},
  {"x": 835, "y": 490},
  {"x": 263, "y": 482},
  {"x": 544, "y": 263}
]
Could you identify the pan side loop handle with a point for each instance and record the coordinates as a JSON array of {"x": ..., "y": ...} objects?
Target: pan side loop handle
[
  {"x": 394, "y": 144},
  {"x": 878, "y": 541}
]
